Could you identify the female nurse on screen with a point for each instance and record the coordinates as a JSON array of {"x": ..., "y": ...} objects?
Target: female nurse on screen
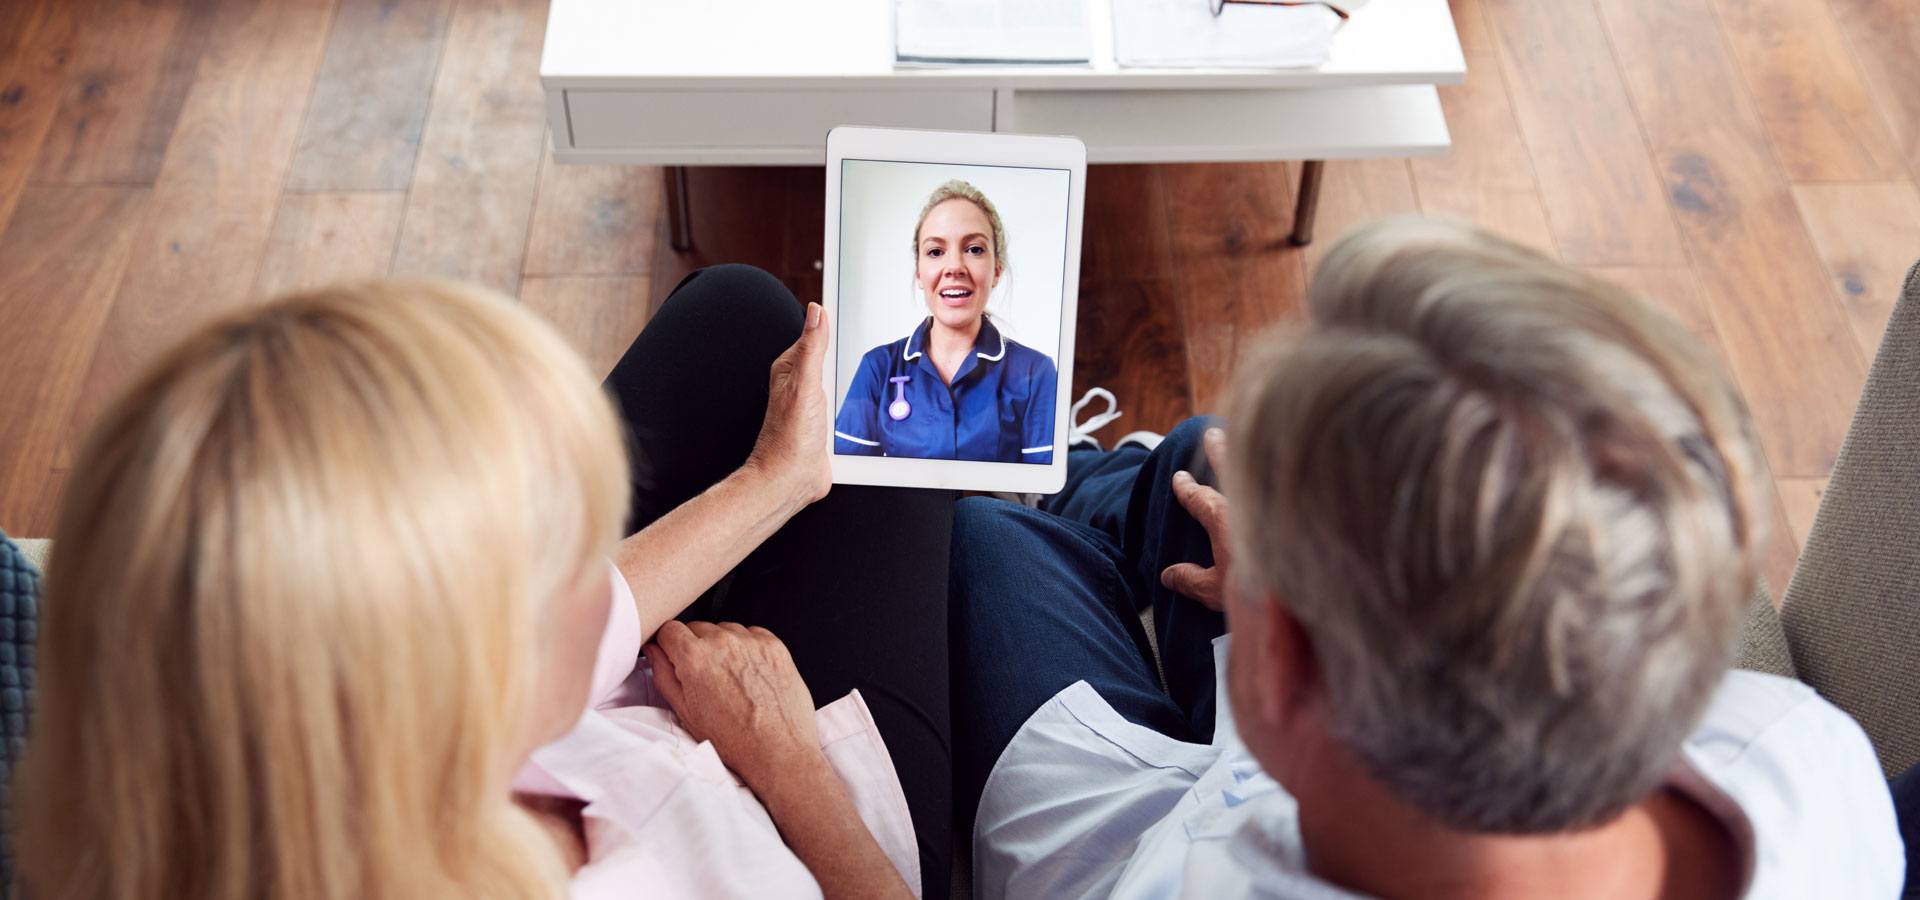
[{"x": 956, "y": 388}]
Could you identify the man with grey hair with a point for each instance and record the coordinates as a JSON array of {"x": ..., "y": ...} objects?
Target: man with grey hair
[{"x": 1486, "y": 531}]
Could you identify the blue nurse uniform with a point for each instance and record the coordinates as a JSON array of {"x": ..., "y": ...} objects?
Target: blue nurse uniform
[{"x": 998, "y": 409}]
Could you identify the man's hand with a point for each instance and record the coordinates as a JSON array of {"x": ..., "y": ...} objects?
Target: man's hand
[
  {"x": 1209, "y": 508},
  {"x": 792, "y": 448},
  {"x": 737, "y": 687}
]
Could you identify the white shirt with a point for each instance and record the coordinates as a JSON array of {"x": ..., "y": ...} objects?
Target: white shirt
[{"x": 1083, "y": 803}]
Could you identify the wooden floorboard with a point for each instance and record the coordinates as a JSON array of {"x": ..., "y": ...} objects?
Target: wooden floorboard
[
  {"x": 479, "y": 166},
  {"x": 324, "y": 237},
  {"x": 1602, "y": 196},
  {"x": 1234, "y": 270},
  {"x": 369, "y": 103},
  {"x": 34, "y": 55},
  {"x": 207, "y": 223},
  {"x": 60, "y": 262},
  {"x": 1765, "y": 284},
  {"x": 1869, "y": 236},
  {"x": 1884, "y": 38},
  {"x": 127, "y": 84},
  {"x": 1486, "y": 177},
  {"x": 1131, "y": 341},
  {"x": 593, "y": 220},
  {"x": 1126, "y": 217},
  {"x": 1810, "y": 95},
  {"x": 1801, "y": 499}
]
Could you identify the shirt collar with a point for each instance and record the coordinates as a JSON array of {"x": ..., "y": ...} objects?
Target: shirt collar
[{"x": 989, "y": 337}]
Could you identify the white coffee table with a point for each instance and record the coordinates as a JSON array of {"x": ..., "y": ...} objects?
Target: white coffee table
[{"x": 759, "y": 82}]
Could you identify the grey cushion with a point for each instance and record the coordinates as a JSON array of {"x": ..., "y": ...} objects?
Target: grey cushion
[
  {"x": 1763, "y": 643},
  {"x": 1852, "y": 611},
  {"x": 19, "y": 608}
]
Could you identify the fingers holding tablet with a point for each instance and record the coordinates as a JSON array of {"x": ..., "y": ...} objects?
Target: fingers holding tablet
[{"x": 797, "y": 412}]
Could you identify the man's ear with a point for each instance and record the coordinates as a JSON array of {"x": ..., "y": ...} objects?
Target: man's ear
[
  {"x": 1291, "y": 681},
  {"x": 1296, "y": 664}
]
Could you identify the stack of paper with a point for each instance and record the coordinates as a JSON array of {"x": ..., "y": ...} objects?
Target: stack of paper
[
  {"x": 1186, "y": 33},
  {"x": 951, "y": 32}
]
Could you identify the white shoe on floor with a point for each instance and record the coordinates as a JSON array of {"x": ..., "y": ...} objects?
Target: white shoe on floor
[{"x": 1082, "y": 431}]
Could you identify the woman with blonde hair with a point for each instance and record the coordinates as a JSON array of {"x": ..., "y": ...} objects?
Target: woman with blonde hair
[{"x": 339, "y": 607}]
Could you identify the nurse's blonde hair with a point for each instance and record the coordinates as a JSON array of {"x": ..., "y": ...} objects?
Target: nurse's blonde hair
[
  {"x": 298, "y": 602},
  {"x": 961, "y": 190}
]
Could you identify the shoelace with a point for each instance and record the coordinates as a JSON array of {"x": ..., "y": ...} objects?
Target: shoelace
[{"x": 1083, "y": 431}]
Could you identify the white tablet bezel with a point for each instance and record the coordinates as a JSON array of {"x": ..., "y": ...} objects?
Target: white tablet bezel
[{"x": 966, "y": 149}]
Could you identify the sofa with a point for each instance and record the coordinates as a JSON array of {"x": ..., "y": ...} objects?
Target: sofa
[{"x": 1848, "y": 623}]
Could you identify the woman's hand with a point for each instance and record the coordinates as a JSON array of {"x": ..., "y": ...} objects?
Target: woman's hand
[
  {"x": 792, "y": 449},
  {"x": 737, "y": 687},
  {"x": 1208, "y": 585}
]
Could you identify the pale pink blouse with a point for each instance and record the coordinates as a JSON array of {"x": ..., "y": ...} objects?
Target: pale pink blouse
[{"x": 665, "y": 818}]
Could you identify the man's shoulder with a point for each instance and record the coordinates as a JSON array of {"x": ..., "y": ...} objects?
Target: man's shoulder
[
  {"x": 1798, "y": 775},
  {"x": 1756, "y": 712}
]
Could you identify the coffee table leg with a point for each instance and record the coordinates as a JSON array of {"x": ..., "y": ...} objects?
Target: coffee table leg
[
  {"x": 679, "y": 219},
  {"x": 1308, "y": 202}
]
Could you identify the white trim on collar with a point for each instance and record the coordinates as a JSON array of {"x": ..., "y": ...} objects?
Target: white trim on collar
[
  {"x": 913, "y": 354},
  {"x": 862, "y": 441},
  {"x": 1003, "y": 346}
]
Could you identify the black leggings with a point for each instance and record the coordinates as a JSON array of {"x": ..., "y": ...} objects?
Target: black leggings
[{"x": 856, "y": 584}]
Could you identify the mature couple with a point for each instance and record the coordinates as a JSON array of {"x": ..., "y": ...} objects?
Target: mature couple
[{"x": 335, "y": 581}]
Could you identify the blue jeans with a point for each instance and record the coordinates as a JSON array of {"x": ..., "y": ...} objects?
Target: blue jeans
[
  {"x": 1906, "y": 807},
  {"x": 1042, "y": 598}
]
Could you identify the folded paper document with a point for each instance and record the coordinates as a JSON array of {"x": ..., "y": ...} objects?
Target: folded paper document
[{"x": 957, "y": 32}]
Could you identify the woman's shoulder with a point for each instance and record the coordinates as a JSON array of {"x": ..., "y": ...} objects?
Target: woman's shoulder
[
  {"x": 888, "y": 351},
  {"x": 1027, "y": 357}
]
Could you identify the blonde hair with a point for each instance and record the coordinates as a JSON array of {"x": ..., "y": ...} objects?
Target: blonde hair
[
  {"x": 298, "y": 599},
  {"x": 1515, "y": 512},
  {"x": 956, "y": 189}
]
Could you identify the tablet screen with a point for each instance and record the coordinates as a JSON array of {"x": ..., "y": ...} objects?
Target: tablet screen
[{"x": 951, "y": 288}]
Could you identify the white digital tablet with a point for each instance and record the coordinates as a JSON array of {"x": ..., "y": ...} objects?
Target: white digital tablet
[{"x": 952, "y": 270}]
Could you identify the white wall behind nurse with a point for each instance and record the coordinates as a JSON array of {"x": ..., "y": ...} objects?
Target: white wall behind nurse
[{"x": 879, "y": 204}]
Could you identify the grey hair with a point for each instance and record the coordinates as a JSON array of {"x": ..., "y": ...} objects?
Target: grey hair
[{"x": 1515, "y": 513}]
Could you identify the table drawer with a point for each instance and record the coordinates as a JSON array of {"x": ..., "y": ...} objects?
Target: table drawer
[
  {"x": 620, "y": 120},
  {"x": 1127, "y": 126}
]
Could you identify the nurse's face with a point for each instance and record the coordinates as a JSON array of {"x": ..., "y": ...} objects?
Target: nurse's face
[{"x": 957, "y": 267}]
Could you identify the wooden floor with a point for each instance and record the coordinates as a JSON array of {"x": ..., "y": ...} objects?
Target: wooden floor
[{"x": 1748, "y": 164}]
